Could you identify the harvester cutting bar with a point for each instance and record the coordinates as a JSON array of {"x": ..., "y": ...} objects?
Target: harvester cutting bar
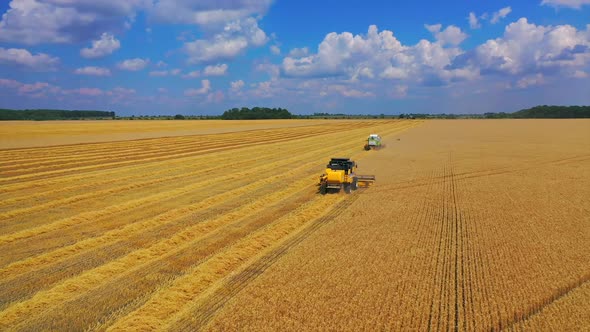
[{"x": 365, "y": 180}]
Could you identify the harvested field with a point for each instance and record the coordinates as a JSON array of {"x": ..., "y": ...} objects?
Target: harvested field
[{"x": 472, "y": 225}]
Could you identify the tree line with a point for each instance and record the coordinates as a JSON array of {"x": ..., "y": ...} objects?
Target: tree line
[
  {"x": 544, "y": 112},
  {"x": 255, "y": 113},
  {"x": 46, "y": 114}
]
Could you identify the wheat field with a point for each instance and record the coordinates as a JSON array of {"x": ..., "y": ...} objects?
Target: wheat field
[{"x": 472, "y": 225}]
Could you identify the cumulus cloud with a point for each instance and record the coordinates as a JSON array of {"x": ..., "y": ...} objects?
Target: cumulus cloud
[
  {"x": 299, "y": 52},
  {"x": 237, "y": 85},
  {"x": 204, "y": 89},
  {"x": 133, "y": 64},
  {"x": 348, "y": 91},
  {"x": 473, "y": 21},
  {"x": 87, "y": 91},
  {"x": 525, "y": 82},
  {"x": 452, "y": 35},
  {"x": 274, "y": 49},
  {"x": 207, "y": 13},
  {"x": 527, "y": 48},
  {"x": 500, "y": 14},
  {"x": 104, "y": 46},
  {"x": 399, "y": 91},
  {"x": 235, "y": 37},
  {"x": 65, "y": 21},
  {"x": 24, "y": 58},
  {"x": 6, "y": 83},
  {"x": 93, "y": 71},
  {"x": 218, "y": 70},
  {"x": 192, "y": 74},
  {"x": 356, "y": 66},
  {"x": 577, "y": 4},
  {"x": 379, "y": 54}
]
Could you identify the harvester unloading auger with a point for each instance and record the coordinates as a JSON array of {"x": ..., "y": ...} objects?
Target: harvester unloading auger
[{"x": 340, "y": 174}]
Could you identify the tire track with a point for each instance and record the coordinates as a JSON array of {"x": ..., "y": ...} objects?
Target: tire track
[{"x": 208, "y": 308}]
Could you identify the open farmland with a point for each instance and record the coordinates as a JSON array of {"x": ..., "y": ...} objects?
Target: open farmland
[
  {"x": 472, "y": 225},
  {"x": 92, "y": 234}
]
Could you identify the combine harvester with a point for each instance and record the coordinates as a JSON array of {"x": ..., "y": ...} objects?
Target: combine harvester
[
  {"x": 373, "y": 142},
  {"x": 340, "y": 174}
]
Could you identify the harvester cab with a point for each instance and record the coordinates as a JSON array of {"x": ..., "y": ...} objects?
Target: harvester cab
[
  {"x": 340, "y": 174},
  {"x": 373, "y": 142}
]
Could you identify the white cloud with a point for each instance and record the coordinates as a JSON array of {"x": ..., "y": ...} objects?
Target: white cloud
[
  {"x": 580, "y": 74},
  {"x": 237, "y": 85},
  {"x": 274, "y": 49},
  {"x": 218, "y": 70},
  {"x": 235, "y": 37},
  {"x": 339, "y": 54},
  {"x": 347, "y": 91},
  {"x": 528, "y": 48},
  {"x": 577, "y": 4},
  {"x": 380, "y": 54},
  {"x": 271, "y": 69},
  {"x": 394, "y": 73},
  {"x": 215, "y": 97},
  {"x": 204, "y": 89},
  {"x": 452, "y": 35},
  {"x": 65, "y": 21},
  {"x": 93, "y": 71},
  {"x": 399, "y": 91},
  {"x": 24, "y": 58},
  {"x": 207, "y": 13},
  {"x": 473, "y": 21},
  {"x": 133, "y": 64},
  {"x": 192, "y": 74},
  {"x": 6, "y": 83},
  {"x": 106, "y": 45},
  {"x": 500, "y": 14},
  {"x": 525, "y": 82},
  {"x": 299, "y": 52}
]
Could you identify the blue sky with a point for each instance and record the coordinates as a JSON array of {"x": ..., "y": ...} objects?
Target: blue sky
[{"x": 202, "y": 57}]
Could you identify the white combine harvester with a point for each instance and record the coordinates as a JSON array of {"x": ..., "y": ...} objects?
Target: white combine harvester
[{"x": 373, "y": 142}]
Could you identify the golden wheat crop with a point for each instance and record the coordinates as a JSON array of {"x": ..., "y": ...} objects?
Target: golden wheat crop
[
  {"x": 196, "y": 225},
  {"x": 132, "y": 225},
  {"x": 473, "y": 226}
]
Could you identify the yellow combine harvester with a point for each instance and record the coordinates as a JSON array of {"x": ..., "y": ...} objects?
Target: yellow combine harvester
[{"x": 340, "y": 174}]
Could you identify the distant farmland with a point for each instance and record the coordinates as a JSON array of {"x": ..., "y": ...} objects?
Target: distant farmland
[{"x": 217, "y": 225}]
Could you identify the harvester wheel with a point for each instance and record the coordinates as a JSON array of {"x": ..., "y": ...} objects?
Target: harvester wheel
[
  {"x": 323, "y": 188},
  {"x": 347, "y": 188},
  {"x": 355, "y": 184},
  {"x": 367, "y": 147}
]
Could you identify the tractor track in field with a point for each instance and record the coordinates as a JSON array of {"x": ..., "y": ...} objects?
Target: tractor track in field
[
  {"x": 420, "y": 182},
  {"x": 108, "y": 150},
  {"x": 152, "y": 152},
  {"x": 153, "y": 274},
  {"x": 118, "y": 189},
  {"x": 67, "y": 266},
  {"x": 536, "y": 309},
  {"x": 131, "y": 161},
  {"x": 449, "y": 302},
  {"x": 207, "y": 310},
  {"x": 85, "y": 218}
]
